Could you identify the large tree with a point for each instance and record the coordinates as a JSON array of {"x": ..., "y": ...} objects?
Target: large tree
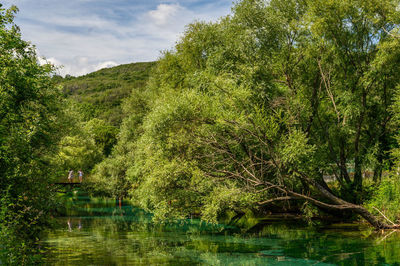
[
  {"x": 260, "y": 106},
  {"x": 28, "y": 108}
]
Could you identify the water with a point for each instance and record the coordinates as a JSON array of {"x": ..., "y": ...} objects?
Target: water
[{"x": 98, "y": 232}]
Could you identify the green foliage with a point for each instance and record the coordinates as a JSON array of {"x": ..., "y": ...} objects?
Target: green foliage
[
  {"x": 103, "y": 134},
  {"x": 263, "y": 102},
  {"x": 224, "y": 198},
  {"x": 296, "y": 150},
  {"x": 276, "y": 95},
  {"x": 94, "y": 108},
  {"x": 275, "y": 91},
  {"x": 109, "y": 176},
  {"x": 84, "y": 144},
  {"x": 77, "y": 152},
  {"x": 309, "y": 211},
  {"x": 101, "y": 93},
  {"x": 386, "y": 198},
  {"x": 29, "y": 106}
]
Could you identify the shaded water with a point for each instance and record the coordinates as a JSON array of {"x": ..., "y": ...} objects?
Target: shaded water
[{"x": 97, "y": 232}]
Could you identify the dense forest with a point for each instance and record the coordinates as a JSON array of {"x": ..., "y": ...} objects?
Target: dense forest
[{"x": 283, "y": 105}]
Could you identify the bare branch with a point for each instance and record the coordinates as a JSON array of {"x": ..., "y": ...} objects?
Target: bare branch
[
  {"x": 387, "y": 219},
  {"x": 391, "y": 34},
  {"x": 327, "y": 86},
  {"x": 276, "y": 199}
]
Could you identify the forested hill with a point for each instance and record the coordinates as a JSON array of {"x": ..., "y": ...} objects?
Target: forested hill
[
  {"x": 93, "y": 112},
  {"x": 100, "y": 93}
]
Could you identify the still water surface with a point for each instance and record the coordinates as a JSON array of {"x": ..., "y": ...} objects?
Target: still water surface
[{"x": 98, "y": 232}]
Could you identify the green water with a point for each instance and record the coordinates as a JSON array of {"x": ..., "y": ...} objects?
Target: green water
[{"x": 97, "y": 232}]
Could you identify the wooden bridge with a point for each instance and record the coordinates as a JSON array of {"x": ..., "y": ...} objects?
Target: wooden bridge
[{"x": 68, "y": 184}]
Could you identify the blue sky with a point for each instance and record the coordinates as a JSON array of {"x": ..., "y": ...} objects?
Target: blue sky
[{"x": 86, "y": 35}]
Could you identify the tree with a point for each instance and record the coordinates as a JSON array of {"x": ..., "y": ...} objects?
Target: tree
[
  {"x": 28, "y": 109},
  {"x": 109, "y": 176},
  {"x": 258, "y": 107}
]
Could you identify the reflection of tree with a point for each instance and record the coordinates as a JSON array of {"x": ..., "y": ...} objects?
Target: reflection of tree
[{"x": 114, "y": 236}]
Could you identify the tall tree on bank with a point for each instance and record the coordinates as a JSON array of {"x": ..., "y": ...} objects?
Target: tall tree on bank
[
  {"x": 258, "y": 107},
  {"x": 28, "y": 108}
]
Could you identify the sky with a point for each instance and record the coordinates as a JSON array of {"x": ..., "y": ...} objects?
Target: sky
[{"x": 86, "y": 35}]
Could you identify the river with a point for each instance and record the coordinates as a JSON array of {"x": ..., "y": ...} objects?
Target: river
[{"x": 99, "y": 232}]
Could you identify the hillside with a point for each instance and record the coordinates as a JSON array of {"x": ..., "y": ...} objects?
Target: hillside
[{"x": 102, "y": 92}]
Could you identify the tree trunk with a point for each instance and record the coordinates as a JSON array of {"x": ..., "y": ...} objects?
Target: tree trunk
[
  {"x": 339, "y": 204},
  {"x": 358, "y": 179},
  {"x": 343, "y": 168}
]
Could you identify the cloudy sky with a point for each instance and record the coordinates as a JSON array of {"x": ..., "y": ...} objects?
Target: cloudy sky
[{"x": 86, "y": 35}]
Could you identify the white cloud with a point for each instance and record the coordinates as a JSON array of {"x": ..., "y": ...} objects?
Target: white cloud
[
  {"x": 82, "y": 65},
  {"x": 165, "y": 13},
  {"x": 43, "y": 61},
  {"x": 84, "y": 36},
  {"x": 77, "y": 67},
  {"x": 106, "y": 64}
]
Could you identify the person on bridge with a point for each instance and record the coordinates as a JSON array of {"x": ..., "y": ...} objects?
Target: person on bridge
[
  {"x": 70, "y": 176},
  {"x": 80, "y": 175}
]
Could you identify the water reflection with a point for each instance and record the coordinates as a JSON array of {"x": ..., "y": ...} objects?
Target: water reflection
[
  {"x": 71, "y": 224},
  {"x": 100, "y": 233}
]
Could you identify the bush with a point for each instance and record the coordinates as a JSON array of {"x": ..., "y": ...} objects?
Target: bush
[{"x": 386, "y": 198}]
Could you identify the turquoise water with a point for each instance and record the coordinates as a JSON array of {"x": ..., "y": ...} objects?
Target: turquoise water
[{"x": 99, "y": 232}]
